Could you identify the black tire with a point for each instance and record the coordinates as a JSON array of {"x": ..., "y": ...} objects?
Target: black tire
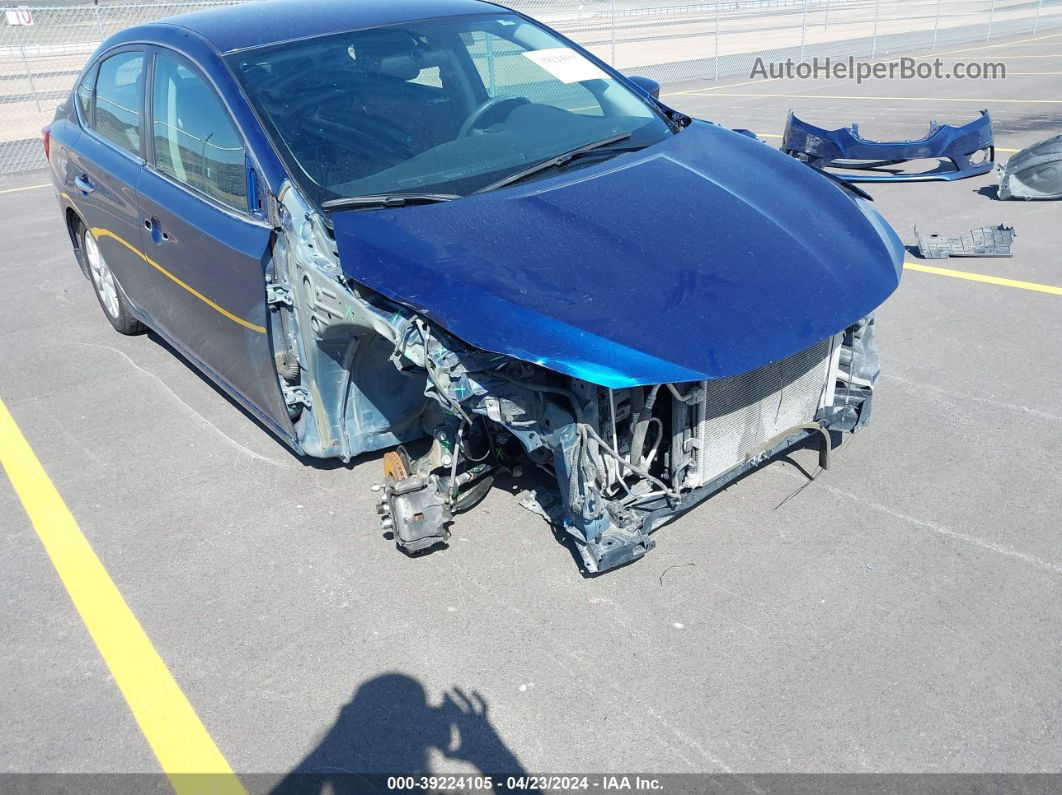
[{"x": 109, "y": 293}]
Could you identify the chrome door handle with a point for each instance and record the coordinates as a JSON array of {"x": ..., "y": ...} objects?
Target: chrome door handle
[{"x": 82, "y": 183}]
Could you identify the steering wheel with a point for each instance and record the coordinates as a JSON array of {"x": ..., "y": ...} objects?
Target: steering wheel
[
  {"x": 305, "y": 112},
  {"x": 317, "y": 78},
  {"x": 302, "y": 105},
  {"x": 487, "y": 106}
]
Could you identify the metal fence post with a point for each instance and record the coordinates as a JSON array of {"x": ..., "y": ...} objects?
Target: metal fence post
[
  {"x": 803, "y": 31},
  {"x": 874, "y": 43},
  {"x": 826, "y": 22},
  {"x": 99, "y": 22},
  {"x": 936, "y": 25},
  {"x": 991, "y": 13},
  {"x": 1036, "y": 24},
  {"x": 613, "y": 33},
  {"x": 491, "y": 76},
  {"x": 26, "y": 66},
  {"x": 717, "y": 39}
]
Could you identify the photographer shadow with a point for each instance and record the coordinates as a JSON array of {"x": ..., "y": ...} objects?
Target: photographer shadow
[{"x": 389, "y": 729}]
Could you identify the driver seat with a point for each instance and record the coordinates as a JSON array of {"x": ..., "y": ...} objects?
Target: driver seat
[{"x": 421, "y": 116}]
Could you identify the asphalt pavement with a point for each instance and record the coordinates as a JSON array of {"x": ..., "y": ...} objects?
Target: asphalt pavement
[{"x": 899, "y": 614}]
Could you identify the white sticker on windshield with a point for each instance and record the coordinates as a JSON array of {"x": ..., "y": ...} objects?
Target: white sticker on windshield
[{"x": 566, "y": 64}]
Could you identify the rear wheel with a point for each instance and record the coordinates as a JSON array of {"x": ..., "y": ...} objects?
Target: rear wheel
[{"x": 112, "y": 300}]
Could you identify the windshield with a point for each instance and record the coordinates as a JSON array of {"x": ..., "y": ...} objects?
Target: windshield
[{"x": 446, "y": 105}]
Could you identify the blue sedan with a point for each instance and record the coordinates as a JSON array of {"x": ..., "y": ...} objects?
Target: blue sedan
[{"x": 438, "y": 223}]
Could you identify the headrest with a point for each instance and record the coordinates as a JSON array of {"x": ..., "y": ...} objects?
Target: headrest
[
  {"x": 201, "y": 116},
  {"x": 403, "y": 67}
]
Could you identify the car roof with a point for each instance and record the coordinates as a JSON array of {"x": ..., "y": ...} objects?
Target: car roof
[{"x": 255, "y": 24}]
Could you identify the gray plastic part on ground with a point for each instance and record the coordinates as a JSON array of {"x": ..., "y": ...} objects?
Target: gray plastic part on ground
[
  {"x": 1034, "y": 173},
  {"x": 985, "y": 241}
]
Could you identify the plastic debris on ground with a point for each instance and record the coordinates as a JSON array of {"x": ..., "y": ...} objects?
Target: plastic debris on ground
[
  {"x": 985, "y": 241},
  {"x": 1034, "y": 173}
]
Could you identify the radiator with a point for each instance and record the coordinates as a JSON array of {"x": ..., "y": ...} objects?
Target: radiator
[{"x": 737, "y": 415}]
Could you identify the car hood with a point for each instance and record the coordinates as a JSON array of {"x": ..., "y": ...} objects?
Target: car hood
[{"x": 706, "y": 255}]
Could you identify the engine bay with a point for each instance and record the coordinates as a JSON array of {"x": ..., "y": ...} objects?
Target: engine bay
[{"x": 361, "y": 372}]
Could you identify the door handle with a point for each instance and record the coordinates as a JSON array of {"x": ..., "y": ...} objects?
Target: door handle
[
  {"x": 82, "y": 183},
  {"x": 158, "y": 235}
]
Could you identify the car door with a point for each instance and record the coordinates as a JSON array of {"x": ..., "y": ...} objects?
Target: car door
[
  {"x": 209, "y": 242},
  {"x": 103, "y": 167}
]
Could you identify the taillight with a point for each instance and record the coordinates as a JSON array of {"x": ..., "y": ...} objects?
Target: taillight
[{"x": 46, "y": 135}]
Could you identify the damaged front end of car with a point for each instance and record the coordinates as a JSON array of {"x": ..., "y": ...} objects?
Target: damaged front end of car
[
  {"x": 639, "y": 363},
  {"x": 362, "y": 372},
  {"x": 624, "y": 461}
]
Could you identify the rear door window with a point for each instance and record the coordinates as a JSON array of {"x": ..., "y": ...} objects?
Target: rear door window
[
  {"x": 194, "y": 139},
  {"x": 119, "y": 98}
]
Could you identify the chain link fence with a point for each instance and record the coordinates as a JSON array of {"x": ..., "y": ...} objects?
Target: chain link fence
[{"x": 42, "y": 48}]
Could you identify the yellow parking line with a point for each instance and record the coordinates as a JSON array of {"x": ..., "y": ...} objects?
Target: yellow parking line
[
  {"x": 170, "y": 724},
  {"x": 1037, "y": 42},
  {"x": 1002, "y": 44},
  {"x": 980, "y": 277},
  {"x": 887, "y": 59},
  {"x": 26, "y": 187},
  {"x": 727, "y": 85},
  {"x": 973, "y": 101}
]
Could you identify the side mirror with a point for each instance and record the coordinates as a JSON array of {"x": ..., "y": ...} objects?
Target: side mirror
[{"x": 649, "y": 86}]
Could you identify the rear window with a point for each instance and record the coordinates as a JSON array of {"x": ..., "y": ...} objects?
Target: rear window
[{"x": 119, "y": 93}]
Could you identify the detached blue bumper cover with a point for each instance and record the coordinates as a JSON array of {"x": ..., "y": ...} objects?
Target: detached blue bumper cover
[{"x": 969, "y": 150}]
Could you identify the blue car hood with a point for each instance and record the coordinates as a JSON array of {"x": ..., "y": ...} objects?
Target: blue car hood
[{"x": 706, "y": 255}]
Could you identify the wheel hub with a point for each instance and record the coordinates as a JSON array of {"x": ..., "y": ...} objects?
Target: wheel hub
[{"x": 102, "y": 277}]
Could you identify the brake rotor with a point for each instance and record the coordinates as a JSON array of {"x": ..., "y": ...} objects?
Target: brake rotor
[{"x": 396, "y": 465}]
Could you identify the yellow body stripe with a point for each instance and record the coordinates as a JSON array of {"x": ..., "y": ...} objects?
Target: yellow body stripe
[
  {"x": 980, "y": 277},
  {"x": 168, "y": 721},
  {"x": 98, "y": 233}
]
